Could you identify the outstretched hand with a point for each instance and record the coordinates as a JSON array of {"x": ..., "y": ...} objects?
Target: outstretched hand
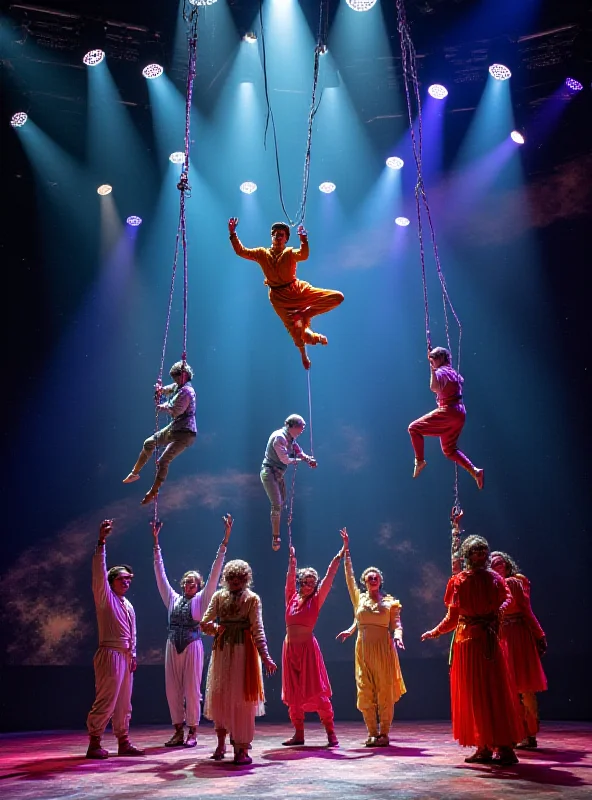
[
  {"x": 228, "y": 523},
  {"x": 270, "y": 666},
  {"x": 232, "y": 223},
  {"x": 399, "y": 643},
  {"x": 345, "y": 634},
  {"x": 312, "y": 462},
  {"x": 345, "y": 537},
  {"x": 429, "y": 635},
  {"x": 292, "y": 552},
  {"x": 302, "y": 232}
]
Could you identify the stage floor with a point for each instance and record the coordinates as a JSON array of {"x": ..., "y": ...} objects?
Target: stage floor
[{"x": 422, "y": 763}]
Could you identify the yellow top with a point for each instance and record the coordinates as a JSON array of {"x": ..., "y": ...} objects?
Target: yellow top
[{"x": 279, "y": 269}]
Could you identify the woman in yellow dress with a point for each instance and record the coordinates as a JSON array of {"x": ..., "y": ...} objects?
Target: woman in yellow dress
[{"x": 379, "y": 680}]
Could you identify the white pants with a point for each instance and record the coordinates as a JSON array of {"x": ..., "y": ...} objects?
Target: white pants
[
  {"x": 113, "y": 687},
  {"x": 182, "y": 672}
]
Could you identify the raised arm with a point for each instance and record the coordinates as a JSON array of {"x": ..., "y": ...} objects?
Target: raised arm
[
  {"x": 205, "y": 595},
  {"x": 291, "y": 576},
  {"x": 251, "y": 254},
  {"x": 327, "y": 581},
  {"x": 350, "y": 578},
  {"x": 100, "y": 584},
  {"x": 166, "y": 591},
  {"x": 302, "y": 253}
]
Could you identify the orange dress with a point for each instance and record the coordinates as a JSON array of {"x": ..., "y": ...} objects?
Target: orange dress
[
  {"x": 520, "y": 632},
  {"x": 484, "y": 701},
  {"x": 295, "y": 302}
]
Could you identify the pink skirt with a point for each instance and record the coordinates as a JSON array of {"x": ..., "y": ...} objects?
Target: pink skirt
[{"x": 304, "y": 675}]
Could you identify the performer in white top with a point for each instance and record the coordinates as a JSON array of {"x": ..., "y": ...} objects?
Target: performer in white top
[
  {"x": 184, "y": 649},
  {"x": 115, "y": 660}
]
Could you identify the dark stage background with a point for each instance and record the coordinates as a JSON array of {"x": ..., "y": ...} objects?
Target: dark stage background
[{"x": 84, "y": 310}]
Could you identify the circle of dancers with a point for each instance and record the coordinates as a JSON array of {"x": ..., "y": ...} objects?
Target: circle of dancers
[{"x": 497, "y": 641}]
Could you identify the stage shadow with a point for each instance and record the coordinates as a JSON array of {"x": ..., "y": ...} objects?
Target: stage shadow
[{"x": 542, "y": 774}]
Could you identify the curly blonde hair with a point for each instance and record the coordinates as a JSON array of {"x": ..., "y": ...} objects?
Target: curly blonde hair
[
  {"x": 364, "y": 575},
  {"x": 237, "y": 569}
]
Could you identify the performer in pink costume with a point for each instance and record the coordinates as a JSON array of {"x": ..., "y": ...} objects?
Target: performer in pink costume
[
  {"x": 115, "y": 660},
  {"x": 305, "y": 683},
  {"x": 446, "y": 421}
]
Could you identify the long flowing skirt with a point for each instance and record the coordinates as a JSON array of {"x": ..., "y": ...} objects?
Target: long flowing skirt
[
  {"x": 523, "y": 656},
  {"x": 304, "y": 675}
]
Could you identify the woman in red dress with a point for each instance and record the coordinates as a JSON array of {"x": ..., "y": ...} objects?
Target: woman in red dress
[
  {"x": 305, "y": 683},
  {"x": 485, "y": 710},
  {"x": 526, "y": 643}
]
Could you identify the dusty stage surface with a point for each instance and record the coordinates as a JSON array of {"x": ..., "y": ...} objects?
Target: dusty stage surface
[{"x": 422, "y": 762}]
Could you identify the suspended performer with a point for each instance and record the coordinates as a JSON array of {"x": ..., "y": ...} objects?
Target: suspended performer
[
  {"x": 305, "y": 683},
  {"x": 526, "y": 643},
  {"x": 484, "y": 702},
  {"x": 281, "y": 451},
  {"x": 295, "y": 302},
  {"x": 184, "y": 655},
  {"x": 175, "y": 437},
  {"x": 379, "y": 681},
  {"x": 447, "y": 420}
]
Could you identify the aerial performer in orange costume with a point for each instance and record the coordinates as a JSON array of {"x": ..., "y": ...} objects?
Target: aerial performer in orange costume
[
  {"x": 446, "y": 421},
  {"x": 295, "y": 302}
]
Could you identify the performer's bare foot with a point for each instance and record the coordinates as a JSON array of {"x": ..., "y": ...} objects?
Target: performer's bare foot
[
  {"x": 133, "y": 476},
  {"x": 276, "y": 542},
  {"x": 310, "y": 337},
  {"x": 419, "y": 466},
  {"x": 479, "y": 478},
  {"x": 149, "y": 497},
  {"x": 305, "y": 358}
]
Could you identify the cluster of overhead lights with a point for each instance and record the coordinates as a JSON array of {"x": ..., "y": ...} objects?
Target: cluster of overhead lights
[
  {"x": 361, "y": 5},
  {"x": 94, "y": 57},
  {"x": 104, "y": 189}
]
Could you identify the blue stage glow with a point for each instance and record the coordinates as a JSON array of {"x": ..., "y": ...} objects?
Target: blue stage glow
[
  {"x": 177, "y": 157},
  {"x": 438, "y": 91},
  {"x": 134, "y": 221},
  {"x": 402, "y": 222},
  {"x": 248, "y": 187},
  {"x": 327, "y": 187},
  {"x": 517, "y": 137},
  {"x": 394, "y": 162}
]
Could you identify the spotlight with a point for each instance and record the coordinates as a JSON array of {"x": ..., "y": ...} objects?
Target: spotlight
[
  {"x": 499, "y": 72},
  {"x": 573, "y": 85},
  {"x": 438, "y": 91},
  {"x": 134, "y": 221},
  {"x": 93, "y": 57},
  {"x": 177, "y": 158},
  {"x": 250, "y": 37},
  {"x": 394, "y": 162},
  {"x": 517, "y": 137},
  {"x": 402, "y": 222},
  {"x": 18, "y": 119},
  {"x": 152, "y": 71},
  {"x": 327, "y": 187},
  {"x": 202, "y": 2},
  {"x": 248, "y": 187},
  {"x": 361, "y": 5},
  {"x": 104, "y": 189}
]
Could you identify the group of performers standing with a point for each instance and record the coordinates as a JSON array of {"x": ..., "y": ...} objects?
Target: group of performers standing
[{"x": 495, "y": 669}]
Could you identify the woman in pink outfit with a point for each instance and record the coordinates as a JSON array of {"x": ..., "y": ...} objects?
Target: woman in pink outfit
[{"x": 305, "y": 683}]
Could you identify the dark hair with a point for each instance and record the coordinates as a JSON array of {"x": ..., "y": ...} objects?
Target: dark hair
[
  {"x": 281, "y": 226},
  {"x": 512, "y": 567},
  {"x": 442, "y": 352},
  {"x": 294, "y": 419},
  {"x": 470, "y": 545},
  {"x": 179, "y": 367},
  {"x": 194, "y": 574},
  {"x": 115, "y": 571}
]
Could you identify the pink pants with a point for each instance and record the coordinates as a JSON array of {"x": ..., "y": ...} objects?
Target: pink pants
[
  {"x": 446, "y": 423},
  {"x": 113, "y": 684},
  {"x": 324, "y": 709}
]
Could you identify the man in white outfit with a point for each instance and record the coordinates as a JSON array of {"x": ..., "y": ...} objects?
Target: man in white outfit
[
  {"x": 184, "y": 648},
  {"x": 115, "y": 660}
]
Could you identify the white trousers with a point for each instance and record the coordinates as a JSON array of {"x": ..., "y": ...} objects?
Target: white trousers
[
  {"x": 182, "y": 673},
  {"x": 113, "y": 698}
]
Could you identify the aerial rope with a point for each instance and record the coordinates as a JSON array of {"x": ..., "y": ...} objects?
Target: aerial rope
[
  {"x": 293, "y": 486},
  {"x": 412, "y": 94},
  {"x": 190, "y": 16},
  {"x": 320, "y": 48}
]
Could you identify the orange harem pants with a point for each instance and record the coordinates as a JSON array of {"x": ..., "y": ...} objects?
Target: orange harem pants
[
  {"x": 446, "y": 423},
  {"x": 300, "y": 302}
]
